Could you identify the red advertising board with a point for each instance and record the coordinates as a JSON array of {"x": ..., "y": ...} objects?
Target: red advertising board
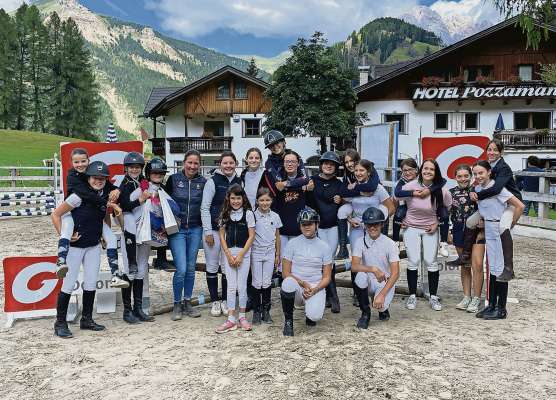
[
  {"x": 110, "y": 153},
  {"x": 449, "y": 152}
]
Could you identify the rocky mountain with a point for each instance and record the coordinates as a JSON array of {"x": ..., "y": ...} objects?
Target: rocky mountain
[
  {"x": 450, "y": 27},
  {"x": 385, "y": 41},
  {"x": 130, "y": 59}
]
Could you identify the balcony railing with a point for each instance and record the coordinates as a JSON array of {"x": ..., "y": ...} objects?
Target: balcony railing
[
  {"x": 159, "y": 146},
  {"x": 542, "y": 138},
  {"x": 203, "y": 145}
]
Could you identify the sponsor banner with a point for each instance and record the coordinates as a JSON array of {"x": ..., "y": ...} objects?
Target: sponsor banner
[
  {"x": 483, "y": 92},
  {"x": 450, "y": 152},
  {"x": 110, "y": 153}
]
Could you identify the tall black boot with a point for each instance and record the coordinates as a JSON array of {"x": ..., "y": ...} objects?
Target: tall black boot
[
  {"x": 502, "y": 294},
  {"x": 355, "y": 300},
  {"x": 508, "y": 250},
  {"x": 469, "y": 239},
  {"x": 333, "y": 293},
  {"x": 256, "y": 306},
  {"x": 365, "y": 306},
  {"x": 137, "y": 285},
  {"x": 224, "y": 283},
  {"x": 87, "y": 321},
  {"x": 250, "y": 293},
  {"x": 267, "y": 293},
  {"x": 131, "y": 252},
  {"x": 61, "y": 326},
  {"x": 492, "y": 297},
  {"x": 126, "y": 300},
  {"x": 343, "y": 252},
  {"x": 287, "y": 306}
]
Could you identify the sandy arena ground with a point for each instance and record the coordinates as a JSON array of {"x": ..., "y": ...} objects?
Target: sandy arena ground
[{"x": 416, "y": 355}]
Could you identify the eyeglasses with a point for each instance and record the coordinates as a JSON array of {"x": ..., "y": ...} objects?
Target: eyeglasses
[
  {"x": 408, "y": 169},
  {"x": 290, "y": 162}
]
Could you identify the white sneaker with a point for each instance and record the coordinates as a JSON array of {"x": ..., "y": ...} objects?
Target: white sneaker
[
  {"x": 464, "y": 303},
  {"x": 215, "y": 311},
  {"x": 435, "y": 303},
  {"x": 118, "y": 282},
  {"x": 411, "y": 302},
  {"x": 474, "y": 304},
  {"x": 443, "y": 249},
  {"x": 224, "y": 307}
]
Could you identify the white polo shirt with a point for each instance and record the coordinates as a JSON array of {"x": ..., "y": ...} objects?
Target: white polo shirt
[
  {"x": 493, "y": 207},
  {"x": 361, "y": 203},
  {"x": 265, "y": 230},
  {"x": 377, "y": 253},
  {"x": 308, "y": 256}
]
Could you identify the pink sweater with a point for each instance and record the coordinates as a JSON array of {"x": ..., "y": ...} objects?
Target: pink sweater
[{"x": 420, "y": 212}]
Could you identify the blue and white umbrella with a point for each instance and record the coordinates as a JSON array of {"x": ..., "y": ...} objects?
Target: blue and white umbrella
[{"x": 111, "y": 136}]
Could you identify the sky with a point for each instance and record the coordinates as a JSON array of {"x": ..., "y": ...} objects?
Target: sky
[{"x": 257, "y": 27}]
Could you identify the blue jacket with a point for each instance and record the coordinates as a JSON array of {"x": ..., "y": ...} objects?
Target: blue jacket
[
  {"x": 321, "y": 198},
  {"x": 188, "y": 194},
  {"x": 274, "y": 166},
  {"x": 529, "y": 183},
  {"x": 503, "y": 178}
]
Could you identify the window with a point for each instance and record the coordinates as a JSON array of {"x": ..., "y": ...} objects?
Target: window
[
  {"x": 251, "y": 127},
  {"x": 223, "y": 90},
  {"x": 240, "y": 90},
  {"x": 441, "y": 121},
  {"x": 471, "y": 72},
  {"x": 471, "y": 122},
  {"x": 525, "y": 72},
  {"x": 213, "y": 128},
  {"x": 401, "y": 118},
  {"x": 532, "y": 120}
]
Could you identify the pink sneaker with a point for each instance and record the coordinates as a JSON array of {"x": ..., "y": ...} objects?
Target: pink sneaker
[
  {"x": 244, "y": 324},
  {"x": 226, "y": 327}
]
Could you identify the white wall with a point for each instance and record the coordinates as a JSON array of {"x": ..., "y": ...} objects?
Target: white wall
[{"x": 420, "y": 121}]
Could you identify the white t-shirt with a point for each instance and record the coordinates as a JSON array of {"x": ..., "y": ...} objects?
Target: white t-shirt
[
  {"x": 265, "y": 229},
  {"x": 377, "y": 253},
  {"x": 308, "y": 256},
  {"x": 251, "y": 185},
  {"x": 493, "y": 207},
  {"x": 361, "y": 203}
]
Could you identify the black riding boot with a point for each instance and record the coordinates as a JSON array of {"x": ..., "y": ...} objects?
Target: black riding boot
[
  {"x": 502, "y": 294},
  {"x": 87, "y": 321},
  {"x": 131, "y": 251},
  {"x": 250, "y": 293},
  {"x": 508, "y": 250},
  {"x": 287, "y": 306},
  {"x": 355, "y": 300},
  {"x": 267, "y": 292},
  {"x": 126, "y": 300},
  {"x": 332, "y": 293},
  {"x": 343, "y": 252},
  {"x": 492, "y": 297},
  {"x": 138, "y": 302},
  {"x": 469, "y": 239},
  {"x": 256, "y": 305},
  {"x": 61, "y": 326},
  {"x": 364, "y": 305}
]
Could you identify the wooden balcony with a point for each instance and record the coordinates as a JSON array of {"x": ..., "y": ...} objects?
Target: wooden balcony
[
  {"x": 179, "y": 145},
  {"x": 159, "y": 146},
  {"x": 538, "y": 138}
]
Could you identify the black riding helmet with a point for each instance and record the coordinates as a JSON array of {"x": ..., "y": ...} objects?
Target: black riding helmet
[
  {"x": 97, "y": 168},
  {"x": 373, "y": 215},
  {"x": 330, "y": 156},
  {"x": 134, "y": 158},
  {"x": 308, "y": 215},
  {"x": 155, "y": 165},
  {"x": 272, "y": 137}
]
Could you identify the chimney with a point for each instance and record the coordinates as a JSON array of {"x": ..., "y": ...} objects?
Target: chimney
[{"x": 363, "y": 74}]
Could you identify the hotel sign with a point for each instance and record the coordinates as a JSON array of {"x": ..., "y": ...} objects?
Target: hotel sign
[{"x": 483, "y": 92}]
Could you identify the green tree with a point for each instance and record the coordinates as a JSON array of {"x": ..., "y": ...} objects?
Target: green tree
[
  {"x": 21, "y": 92},
  {"x": 8, "y": 54},
  {"x": 252, "y": 69},
  {"x": 311, "y": 94}
]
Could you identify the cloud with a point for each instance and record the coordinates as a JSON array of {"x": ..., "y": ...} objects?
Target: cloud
[
  {"x": 265, "y": 18},
  {"x": 10, "y": 5}
]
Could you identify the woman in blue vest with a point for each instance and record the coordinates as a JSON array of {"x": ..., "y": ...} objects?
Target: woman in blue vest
[
  {"x": 84, "y": 249},
  {"x": 186, "y": 188},
  {"x": 214, "y": 194}
]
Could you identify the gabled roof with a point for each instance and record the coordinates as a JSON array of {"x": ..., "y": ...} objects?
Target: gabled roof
[
  {"x": 173, "y": 98},
  {"x": 442, "y": 52},
  {"x": 158, "y": 94}
]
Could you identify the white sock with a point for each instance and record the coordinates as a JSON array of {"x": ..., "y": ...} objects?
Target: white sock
[
  {"x": 232, "y": 318},
  {"x": 241, "y": 315}
]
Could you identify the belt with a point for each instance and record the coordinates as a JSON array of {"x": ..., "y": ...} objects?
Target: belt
[{"x": 492, "y": 220}]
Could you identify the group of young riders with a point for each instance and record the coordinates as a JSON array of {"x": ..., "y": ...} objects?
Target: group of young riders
[{"x": 276, "y": 221}]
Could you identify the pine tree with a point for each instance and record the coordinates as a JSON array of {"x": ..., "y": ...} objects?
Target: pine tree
[
  {"x": 57, "y": 86},
  {"x": 21, "y": 91},
  {"x": 8, "y": 52},
  {"x": 252, "y": 69}
]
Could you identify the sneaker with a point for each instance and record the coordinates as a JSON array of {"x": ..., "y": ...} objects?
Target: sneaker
[
  {"x": 226, "y": 327},
  {"x": 244, "y": 324},
  {"x": 61, "y": 270},
  {"x": 411, "y": 302},
  {"x": 464, "y": 303},
  {"x": 118, "y": 282},
  {"x": 435, "y": 303},
  {"x": 224, "y": 307},
  {"x": 443, "y": 249},
  {"x": 474, "y": 304},
  {"x": 215, "y": 311}
]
